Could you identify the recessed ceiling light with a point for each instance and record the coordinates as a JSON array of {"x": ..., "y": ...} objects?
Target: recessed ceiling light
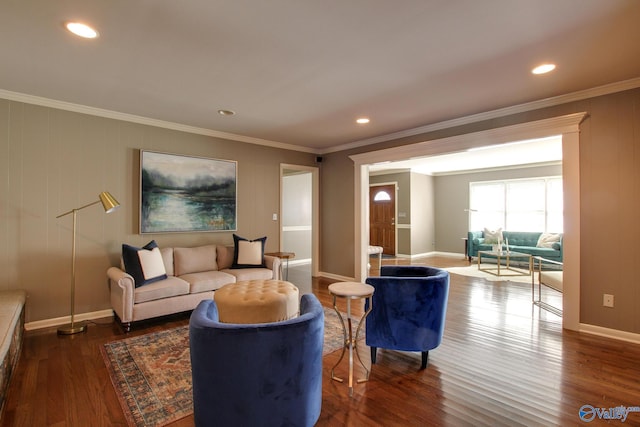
[
  {"x": 226, "y": 112},
  {"x": 363, "y": 120},
  {"x": 81, "y": 30},
  {"x": 544, "y": 68}
]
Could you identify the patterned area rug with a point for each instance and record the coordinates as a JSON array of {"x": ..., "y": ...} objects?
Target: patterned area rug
[{"x": 152, "y": 373}]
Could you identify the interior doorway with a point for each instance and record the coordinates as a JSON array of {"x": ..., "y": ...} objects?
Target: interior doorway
[
  {"x": 568, "y": 126},
  {"x": 382, "y": 219},
  {"x": 299, "y": 222}
]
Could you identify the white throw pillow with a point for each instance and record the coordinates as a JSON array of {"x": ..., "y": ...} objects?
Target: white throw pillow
[
  {"x": 151, "y": 263},
  {"x": 492, "y": 236},
  {"x": 144, "y": 264},
  {"x": 249, "y": 252},
  {"x": 546, "y": 240}
]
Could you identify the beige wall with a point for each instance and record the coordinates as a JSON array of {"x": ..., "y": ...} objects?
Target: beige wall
[
  {"x": 52, "y": 161},
  {"x": 336, "y": 216},
  {"x": 610, "y": 198},
  {"x": 610, "y": 180}
]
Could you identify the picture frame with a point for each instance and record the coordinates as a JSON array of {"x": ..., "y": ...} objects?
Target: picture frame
[{"x": 182, "y": 194}]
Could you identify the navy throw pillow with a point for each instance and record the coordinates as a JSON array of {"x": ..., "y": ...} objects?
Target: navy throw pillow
[
  {"x": 248, "y": 253},
  {"x": 144, "y": 264}
]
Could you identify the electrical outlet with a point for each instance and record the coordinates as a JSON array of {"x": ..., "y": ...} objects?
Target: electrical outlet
[
  {"x": 607, "y": 300},
  {"x": 274, "y": 217}
]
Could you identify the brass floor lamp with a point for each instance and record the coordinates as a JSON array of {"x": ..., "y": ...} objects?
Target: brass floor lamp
[{"x": 110, "y": 204}]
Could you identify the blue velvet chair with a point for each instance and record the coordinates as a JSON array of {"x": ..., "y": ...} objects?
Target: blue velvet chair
[
  {"x": 409, "y": 307},
  {"x": 257, "y": 374}
]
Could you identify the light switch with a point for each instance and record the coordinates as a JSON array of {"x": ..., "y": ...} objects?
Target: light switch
[{"x": 275, "y": 217}]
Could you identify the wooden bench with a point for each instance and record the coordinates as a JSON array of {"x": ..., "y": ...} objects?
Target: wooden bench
[
  {"x": 11, "y": 332},
  {"x": 376, "y": 250}
]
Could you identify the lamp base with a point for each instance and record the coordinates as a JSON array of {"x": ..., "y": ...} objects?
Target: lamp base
[{"x": 72, "y": 328}]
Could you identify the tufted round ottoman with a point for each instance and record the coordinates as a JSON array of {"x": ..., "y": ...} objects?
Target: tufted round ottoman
[{"x": 257, "y": 301}]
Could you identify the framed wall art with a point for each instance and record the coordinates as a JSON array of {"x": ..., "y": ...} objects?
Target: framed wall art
[{"x": 186, "y": 194}]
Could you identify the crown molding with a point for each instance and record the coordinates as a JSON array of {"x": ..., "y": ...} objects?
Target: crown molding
[
  {"x": 506, "y": 111},
  {"x": 132, "y": 118},
  {"x": 515, "y": 109}
]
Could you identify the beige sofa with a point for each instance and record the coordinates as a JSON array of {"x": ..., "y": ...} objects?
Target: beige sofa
[{"x": 193, "y": 274}]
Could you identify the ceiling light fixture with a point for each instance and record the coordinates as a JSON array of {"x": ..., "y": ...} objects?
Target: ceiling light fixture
[
  {"x": 363, "y": 120},
  {"x": 81, "y": 30},
  {"x": 226, "y": 112},
  {"x": 544, "y": 68}
]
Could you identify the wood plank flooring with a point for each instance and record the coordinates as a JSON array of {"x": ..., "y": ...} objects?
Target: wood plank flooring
[{"x": 502, "y": 362}]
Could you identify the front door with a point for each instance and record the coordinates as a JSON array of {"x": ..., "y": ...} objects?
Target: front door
[{"x": 382, "y": 221}]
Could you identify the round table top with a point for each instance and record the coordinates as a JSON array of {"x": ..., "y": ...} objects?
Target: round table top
[{"x": 351, "y": 289}]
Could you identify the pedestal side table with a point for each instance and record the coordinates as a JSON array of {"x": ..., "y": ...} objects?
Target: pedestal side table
[{"x": 349, "y": 291}]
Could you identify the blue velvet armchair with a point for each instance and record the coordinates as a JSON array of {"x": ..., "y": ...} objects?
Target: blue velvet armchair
[
  {"x": 409, "y": 306},
  {"x": 257, "y": 374}
]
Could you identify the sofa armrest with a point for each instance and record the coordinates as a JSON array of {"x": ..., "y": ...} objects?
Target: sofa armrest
[
  {"x": 559, "y": 246},
  {"x": 472, "y": 237},
  {"x": 273, "y": 264},
  {"x": 122, "y": 288}
]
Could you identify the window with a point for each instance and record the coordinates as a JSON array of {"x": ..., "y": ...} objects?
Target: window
[
  {"x": 517, "y": 205},
  {"x": 381, "y": 196}
]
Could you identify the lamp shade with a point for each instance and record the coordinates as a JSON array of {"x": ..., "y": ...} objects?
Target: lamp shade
[{"x": 109, "y": 203}]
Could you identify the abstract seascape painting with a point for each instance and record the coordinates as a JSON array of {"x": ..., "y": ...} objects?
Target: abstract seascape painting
[{"x": 186, "y": 194}]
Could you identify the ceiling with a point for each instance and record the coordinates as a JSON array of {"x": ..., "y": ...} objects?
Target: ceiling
[{"x": 298, "y": 73}]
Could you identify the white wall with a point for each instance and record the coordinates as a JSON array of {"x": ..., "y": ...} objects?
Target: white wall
[{"x": 297, "y": 215}]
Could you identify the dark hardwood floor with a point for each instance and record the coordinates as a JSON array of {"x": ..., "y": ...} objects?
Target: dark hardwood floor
[{"x": 502, "y": 362}]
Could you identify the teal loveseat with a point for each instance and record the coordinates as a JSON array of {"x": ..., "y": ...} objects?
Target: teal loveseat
[{"x": 519, "y": 241}]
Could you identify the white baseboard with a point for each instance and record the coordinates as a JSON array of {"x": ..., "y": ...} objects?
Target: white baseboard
[
  {"x": 449, "y": 254},
  {"x": 401, "y": 256},
  {"x": 336, "y": 277},
  {"x": 422, "y": 255},
  {"x": 295, "y": 262},
  {"x": 431, "y": 254},
  {"x": 610, "y": 333},
  {"x": 58, "y": 321}
]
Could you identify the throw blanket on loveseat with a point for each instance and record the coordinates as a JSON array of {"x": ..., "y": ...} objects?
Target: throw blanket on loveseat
[{"x": 519, "y": 241}]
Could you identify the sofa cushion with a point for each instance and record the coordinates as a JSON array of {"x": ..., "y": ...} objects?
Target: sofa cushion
[
  {"x": 546, "y": 240},
  {"x": 492, "y": 236},
  {"x": 225, "y": 257},
  {"x": 248, "y": 253},
  {"x": 250, "y": 274},
  {"x": 207, "y": 280},
  {"x": 144, "y": 264},
  {"x": 194, "y": 260},
  {"x": 167, "y": 258},
  {"x": 521, "y": 238},
  {"x": 169, "y": 287}
]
